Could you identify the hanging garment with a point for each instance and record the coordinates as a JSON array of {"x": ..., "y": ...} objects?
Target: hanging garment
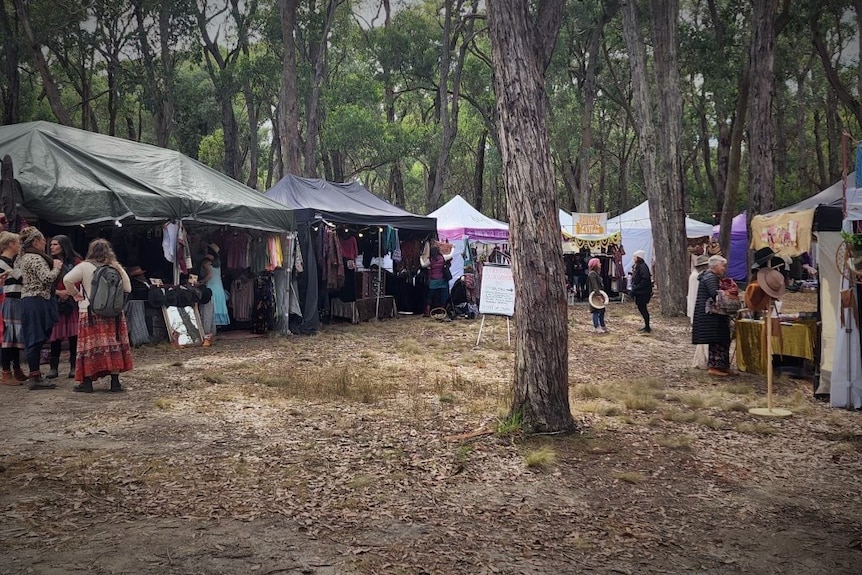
[
  {"x": 219, "y": 300},
  {"x": 169, "y": 241},
  {"x": 263, "y": 319}
]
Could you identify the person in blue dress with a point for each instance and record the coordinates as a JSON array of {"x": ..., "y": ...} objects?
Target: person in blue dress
[{"x": 210, "y": 276}]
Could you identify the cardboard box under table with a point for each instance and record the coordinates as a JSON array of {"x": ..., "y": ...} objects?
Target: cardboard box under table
[{"x": 798, "y": 339}]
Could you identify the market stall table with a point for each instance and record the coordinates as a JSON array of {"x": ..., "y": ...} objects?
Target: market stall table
[{"x": 798, "y": 339}]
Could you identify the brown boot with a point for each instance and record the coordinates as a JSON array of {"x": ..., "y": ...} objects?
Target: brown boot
[
  {"x": 9, "y": 378},
  {"x": 427, "y": 311},
  {"x": 19, "y": 375}
]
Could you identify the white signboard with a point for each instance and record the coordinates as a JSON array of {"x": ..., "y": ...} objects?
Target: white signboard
[
  {"x": 498, "y": 291},
  {"x": 590, "y": 224}
]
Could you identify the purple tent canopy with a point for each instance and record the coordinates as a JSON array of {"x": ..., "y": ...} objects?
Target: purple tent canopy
[{"x": 737, "y": 260}]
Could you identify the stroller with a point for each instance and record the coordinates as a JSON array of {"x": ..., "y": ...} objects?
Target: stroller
[{"x": 459, "y": 305}]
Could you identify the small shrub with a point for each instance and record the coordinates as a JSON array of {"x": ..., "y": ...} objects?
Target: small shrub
[{"x": 511, "y": 424}]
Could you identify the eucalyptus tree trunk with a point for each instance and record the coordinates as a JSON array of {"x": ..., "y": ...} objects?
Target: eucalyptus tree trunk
[
  {"x": 158, "y": 87},
  {"x": 660, "y": 151},
  {"x": 520, "y": 49},
  {"x": 12, "y": 94},
  {"x": 479, "y": 171},
  {"x": 761, "y": 189},
  {"x": 48, "y": 83},
  {"x": 734, "y": 164},
  {"x": 288, "y": 108},
  {"x": 448, "y": 108},
  {"x": 317, "y": 56},
  {"x": 395, "y": 185}
]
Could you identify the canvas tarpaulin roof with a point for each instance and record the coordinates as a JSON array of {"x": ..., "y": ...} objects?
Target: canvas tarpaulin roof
[
  {"x": 347, "y": 203},
  {"x": 70, "y": 177}
]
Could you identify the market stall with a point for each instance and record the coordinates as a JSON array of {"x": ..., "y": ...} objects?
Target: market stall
[
  {"x": 159, "y": 208},
  {"x": 812, "y": 227},
  {"x": 340, "y": 223},
  {"x": 636, "y": 227}
]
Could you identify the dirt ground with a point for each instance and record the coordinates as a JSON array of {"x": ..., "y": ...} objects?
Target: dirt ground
[{"x": 348, "y": 452}]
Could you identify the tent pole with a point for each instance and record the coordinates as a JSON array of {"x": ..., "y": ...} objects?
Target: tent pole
[{"x": 379, "y": 271}]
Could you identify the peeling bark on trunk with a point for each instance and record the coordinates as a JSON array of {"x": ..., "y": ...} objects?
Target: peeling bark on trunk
[
  {"x": 661, "y": 161},
  {"x": 288, "y": 117},
  {"x": 761, "y": 190},
  {"x": 520, "y": 52},
  {"x": 479, "y": 171}
]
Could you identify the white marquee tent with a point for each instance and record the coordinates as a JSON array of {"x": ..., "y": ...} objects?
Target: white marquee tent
[
  {"x": 635, "y": 226},
  {"x": 459, "y": 222}
]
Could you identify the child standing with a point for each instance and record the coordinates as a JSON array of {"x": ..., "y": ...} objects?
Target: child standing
[{"x": 594, "y": 285}]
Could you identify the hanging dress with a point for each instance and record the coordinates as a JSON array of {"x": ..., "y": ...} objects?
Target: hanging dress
[{"x": 219, "y": 300}]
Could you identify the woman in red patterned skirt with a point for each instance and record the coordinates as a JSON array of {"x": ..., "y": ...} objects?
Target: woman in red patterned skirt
[{"x": 103, "y": 342}]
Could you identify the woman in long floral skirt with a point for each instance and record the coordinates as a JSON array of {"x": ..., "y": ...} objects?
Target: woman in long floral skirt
[{"x": 103, "y": 342}]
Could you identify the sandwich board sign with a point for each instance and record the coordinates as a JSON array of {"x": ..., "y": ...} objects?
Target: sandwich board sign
[{"x": 497, "y": 295}]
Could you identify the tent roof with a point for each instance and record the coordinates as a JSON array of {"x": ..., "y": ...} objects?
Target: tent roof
[
  {"x": 831, "y": 196},
  {"x": 639, "y": 218},
  {"x": 70, "y": 177},
  {"x": 457, "y": 218},
  {"x": 348, "y": 203}
]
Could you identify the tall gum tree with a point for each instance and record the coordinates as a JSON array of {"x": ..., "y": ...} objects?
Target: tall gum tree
[
  {"x": 660, "y": 149},
  {"x": 521, "y": 45}
]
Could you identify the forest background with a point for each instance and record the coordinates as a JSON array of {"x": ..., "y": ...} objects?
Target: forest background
[{"x": 401, "y": 95}]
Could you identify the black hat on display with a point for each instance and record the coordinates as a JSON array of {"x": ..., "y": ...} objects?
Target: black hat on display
[
  {"x": 156, "y": 296},
  {"x": 206, "y": 295},
  {"x": 763, "y": 258}
]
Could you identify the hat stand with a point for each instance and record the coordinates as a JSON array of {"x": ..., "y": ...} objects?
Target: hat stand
[{"x": 769, "y": 410}]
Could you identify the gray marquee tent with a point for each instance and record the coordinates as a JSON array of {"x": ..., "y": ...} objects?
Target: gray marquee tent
[
  {"x": 314, "y": 201},
  {"x": 71, "y": 177}
]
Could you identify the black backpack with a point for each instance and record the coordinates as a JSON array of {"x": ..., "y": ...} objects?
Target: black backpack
[{"x": 107, "y": 298}]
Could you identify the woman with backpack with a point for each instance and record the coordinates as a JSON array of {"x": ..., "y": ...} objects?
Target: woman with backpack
[
  {"x": 61, "y": 248},
  {"x": 103, "y": 336},
  {"x": 38, "y": 305}
]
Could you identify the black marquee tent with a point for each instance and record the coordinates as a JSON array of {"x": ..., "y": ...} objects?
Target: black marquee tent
[
  {"x": 314, "y": 201},
  {"x": 72, "y": 177}
]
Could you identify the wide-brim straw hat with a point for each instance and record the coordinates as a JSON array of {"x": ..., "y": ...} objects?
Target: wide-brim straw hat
[
  {"x": 602, "y": 295},
  {"x": 701, "y": 261},
  {"x": 772, "y": 282}
]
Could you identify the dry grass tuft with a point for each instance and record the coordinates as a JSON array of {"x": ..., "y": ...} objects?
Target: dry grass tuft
[
  {"x": 675, "y": 441},
  {"x": 678, "y": 416},
  {"x": 329, "y": 385},
  {"x": 641, "y": 402},
  {"x": 632, "y": 477},
  {"x": 541, "y": 458},
  {"x": 709, "y": 421},
  {"x": 164, "y": 403},
  {"x": 738, "y": 389},
  {"x": 214, "y": 377}
]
